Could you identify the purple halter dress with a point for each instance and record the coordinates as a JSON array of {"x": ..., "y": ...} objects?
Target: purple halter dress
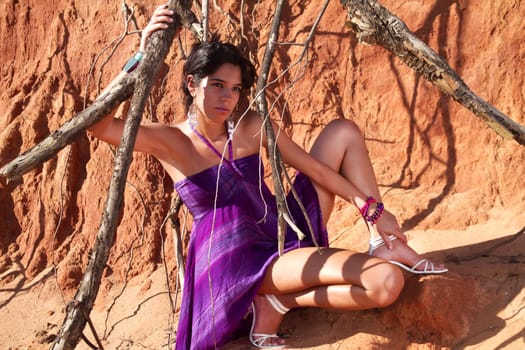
[{"x": 233, "y": 240}]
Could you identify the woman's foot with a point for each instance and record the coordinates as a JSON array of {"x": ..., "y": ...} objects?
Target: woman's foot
[
  {"x": 267, "y": 320},
  {"x": 405, "y": 257}
]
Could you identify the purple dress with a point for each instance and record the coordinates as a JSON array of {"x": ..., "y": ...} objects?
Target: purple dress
[{"x": 233, "y": 240}]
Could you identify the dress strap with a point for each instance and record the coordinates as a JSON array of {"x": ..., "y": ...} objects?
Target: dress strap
[{"x": 229, "y": 141}]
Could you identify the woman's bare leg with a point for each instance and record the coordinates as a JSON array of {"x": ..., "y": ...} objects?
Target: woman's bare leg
[
  {"x": 332, "y": 278},
  {"x": 337, "y": 278},
  {"x": 342, "y": 147},
  {"x": 371, "y": 282}
]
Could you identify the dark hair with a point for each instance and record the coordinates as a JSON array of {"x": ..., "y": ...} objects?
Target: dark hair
[{"x": 206, "y": 57}]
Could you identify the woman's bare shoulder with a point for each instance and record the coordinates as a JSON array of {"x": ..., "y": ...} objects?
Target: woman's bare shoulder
[{"x": 250, "y": 122}]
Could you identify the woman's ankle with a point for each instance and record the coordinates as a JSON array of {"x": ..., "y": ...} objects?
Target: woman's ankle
[{"x": 277, "y": 304}]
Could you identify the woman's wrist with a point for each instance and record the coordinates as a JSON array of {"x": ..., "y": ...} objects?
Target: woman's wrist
[
  {"x": 142, "y": 45},
  {"x": 372, "y": 210},
  {"x": 133, "y": 62}
]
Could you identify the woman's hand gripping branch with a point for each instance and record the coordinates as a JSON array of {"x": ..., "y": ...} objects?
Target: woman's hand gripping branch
[{"x": 161, "y": 18}]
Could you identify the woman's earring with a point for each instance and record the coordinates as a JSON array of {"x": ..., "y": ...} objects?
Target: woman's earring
[
  {"x": 231, "y": 127},
  {"x": 192, "y": 117}
]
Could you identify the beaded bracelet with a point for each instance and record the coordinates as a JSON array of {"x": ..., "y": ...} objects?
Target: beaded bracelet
[
  {"x": 364, "y": 209},
  {"x": 133, "y": 62},
  {"x": 372, "y": 219}
]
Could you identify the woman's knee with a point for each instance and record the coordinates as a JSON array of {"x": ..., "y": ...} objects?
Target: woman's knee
[
  {"x": 334, "y": 141},
  {"x": 389, "y": 288},
  {"x": 345, "y": 129}
]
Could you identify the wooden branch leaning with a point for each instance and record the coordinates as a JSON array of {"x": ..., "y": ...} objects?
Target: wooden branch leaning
[
  {"x": 374, "y": 24},
  {"x": 262, "y": 110},
  {"x": 118, "y": 91},
  {"x": 177, "y": 238},
  {"x": 75, "y": 320},
  {"x": 294, "y": 193}
]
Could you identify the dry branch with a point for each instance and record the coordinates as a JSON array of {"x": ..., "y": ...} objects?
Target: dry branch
[
  {"x": 205, "y": 20},
  {"x": 303, "y": 56},
  {"x": 374, "y": 24},
  {"x": 262, "y": 110},
  {"x": 119, "y": 90},
  {"x": 177, "y": 238},
  {"x": 80, "y": 308}
]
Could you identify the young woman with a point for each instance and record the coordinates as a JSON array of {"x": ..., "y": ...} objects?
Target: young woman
[{"x": 234, "y": 271}]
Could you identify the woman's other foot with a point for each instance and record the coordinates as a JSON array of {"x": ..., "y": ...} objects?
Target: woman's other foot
[
  {"x": 268, "y": 313},
  {"x": 404, "y": 256}
]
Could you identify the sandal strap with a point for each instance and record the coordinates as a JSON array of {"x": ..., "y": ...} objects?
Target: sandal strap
[
  {"x": 262, "y": 338},
  {"x": 425, "y": 269},
  {"x": 379, "y": 242},
  {"x": 276, "y": 304}
]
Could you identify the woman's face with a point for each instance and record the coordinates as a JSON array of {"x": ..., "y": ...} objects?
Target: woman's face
[{"x": 216, "y": 96}]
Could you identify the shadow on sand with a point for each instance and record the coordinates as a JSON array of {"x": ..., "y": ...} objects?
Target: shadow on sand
[{"x": 453, "y": 310}]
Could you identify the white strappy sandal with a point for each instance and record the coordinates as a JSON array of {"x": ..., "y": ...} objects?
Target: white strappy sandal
[
  {"x": 428, "y": 267},
  {"x": 261, "y": 338}
]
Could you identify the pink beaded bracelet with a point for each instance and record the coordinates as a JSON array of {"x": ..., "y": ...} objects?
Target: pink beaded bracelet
[
  {"x": 372, "y": 219},
  {"x": 364, "y": 208}
]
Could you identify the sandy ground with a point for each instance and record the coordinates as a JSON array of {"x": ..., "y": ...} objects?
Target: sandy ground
[
  {"x": 138, "y": 315},
  {"x": 423, "y": 145}
]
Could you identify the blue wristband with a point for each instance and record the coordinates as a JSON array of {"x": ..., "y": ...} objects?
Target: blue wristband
[{"x": 133, "y": 62}]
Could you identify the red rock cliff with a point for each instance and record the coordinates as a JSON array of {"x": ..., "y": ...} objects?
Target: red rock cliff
[{"x": 439, "y": 166}]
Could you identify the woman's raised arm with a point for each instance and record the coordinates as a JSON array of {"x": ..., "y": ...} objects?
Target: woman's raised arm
[
  {"x": 149, "y": 137},
  {"x": 334, "y": 182}
]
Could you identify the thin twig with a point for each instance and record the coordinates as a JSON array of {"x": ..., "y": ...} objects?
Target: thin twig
[
  {"x": 114, "y": 45},
  {"x": 129, "y": 264}
]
